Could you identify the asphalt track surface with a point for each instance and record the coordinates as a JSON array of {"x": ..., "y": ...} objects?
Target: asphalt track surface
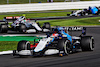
[
  {"x": 65, "y": 17},
  {"x": 79, "y": 59}
]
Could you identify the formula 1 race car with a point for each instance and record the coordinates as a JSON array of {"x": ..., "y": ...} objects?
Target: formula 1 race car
[
  {"x": 91, "y": 10},
  {"x": 77, "y": 13},
  {"x": 58, "y": 42},
  {"x": 24, "y": 25}
]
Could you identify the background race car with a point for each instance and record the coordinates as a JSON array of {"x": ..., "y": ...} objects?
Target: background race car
[
  {"x": 24, "y": 25},
  {"x": 57, "y": 42},
  {"x": 91, "y": 10}
]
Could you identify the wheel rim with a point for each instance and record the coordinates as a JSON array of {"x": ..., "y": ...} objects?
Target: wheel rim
[
  {"x": 66, "y": 47},
  {"x": 23, "y": 28},
  {"x": 27, "y": 45},
  {"x": 47, "y": 26},
  {"x": 92, "y": 44}
]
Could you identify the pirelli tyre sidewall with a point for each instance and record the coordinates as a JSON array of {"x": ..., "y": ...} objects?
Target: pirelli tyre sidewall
[
  {"x": 87, "y": 43},
  {"x": 63, "y": 45},
  {"x": 47, "y": 25},
  {"x": 23, "y": 45},
  {"x": 22, "y": 28},
  {"x": 3, "y": 28}
]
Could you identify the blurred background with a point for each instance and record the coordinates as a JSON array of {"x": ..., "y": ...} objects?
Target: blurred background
[{"x": 37, "y": 1}]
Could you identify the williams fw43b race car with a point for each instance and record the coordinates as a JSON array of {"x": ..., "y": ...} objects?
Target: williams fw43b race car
[
  {"x": 24, "y": 25},
  {"x": 91, "y": 10},
  {"x": 58, "y": 42}
]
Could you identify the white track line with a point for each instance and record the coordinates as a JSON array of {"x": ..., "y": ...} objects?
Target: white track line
[
  {"x": 6, "y": 52},
  {"x": 39, "y": 35}
]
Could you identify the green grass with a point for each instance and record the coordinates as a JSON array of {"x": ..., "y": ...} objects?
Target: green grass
[
  {"x": 8, "y": 45},
  {"x": 73, "y": 22},
  {"x": 18, "y": 38},
  {"x": 12, "y": 44},
  {"x": 37, "y": 14},
  {"x": 60, "y": 22}
]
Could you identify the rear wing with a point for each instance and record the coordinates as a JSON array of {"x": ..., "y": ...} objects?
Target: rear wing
[
  {"x": 11, "y": 18},
  {"x": 83, "y": 29},
  {"x": 74, "y": 28}
]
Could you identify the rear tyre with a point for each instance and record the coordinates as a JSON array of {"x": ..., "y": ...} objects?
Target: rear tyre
[
  {"x": 82, "y": 14},
  {"x": 87, "y": 43},
  {"x": 22, "y": 28},
  {"x": 23, "y": 45},
  {"x": 47, "y": 25},
  {"x": 3, "y": 28}
]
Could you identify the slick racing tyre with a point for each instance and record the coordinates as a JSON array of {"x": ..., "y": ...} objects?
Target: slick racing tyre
[
  {"x": 47, "y": 25},
  {"x": 64, "y": 46},
  {"x": 72, "y": 12},
  {"x": 3, "y": 28},
  {"x": 22, "y": 28},
  {"x": 68, "y": 14},
  {"x": 87, "y": 43},
  {"x": 23, "y": 45}
]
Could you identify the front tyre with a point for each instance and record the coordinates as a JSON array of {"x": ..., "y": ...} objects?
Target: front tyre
[
  {"x": 23, "y": 45},
  {"x": 64, "y": 46},
  {"x": 87, "y": 43},
  {"x": 22, "y": 28}
]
